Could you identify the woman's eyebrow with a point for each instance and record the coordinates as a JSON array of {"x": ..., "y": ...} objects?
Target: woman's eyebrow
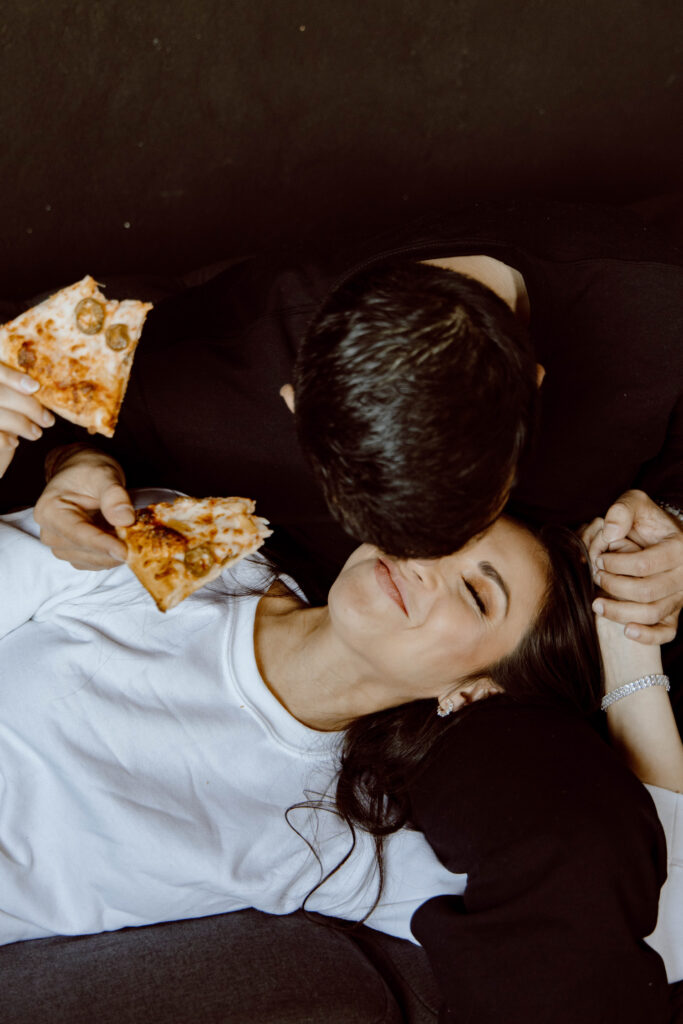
[{"x": 488, "y": 570}]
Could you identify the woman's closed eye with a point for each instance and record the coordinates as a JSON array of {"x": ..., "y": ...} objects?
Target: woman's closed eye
[{"x": 476, "y": 597}]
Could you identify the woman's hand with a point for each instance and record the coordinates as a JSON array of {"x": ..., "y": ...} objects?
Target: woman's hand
[
  {"x": 21, "y": 415},
  {"x": 83, "y": 500}
]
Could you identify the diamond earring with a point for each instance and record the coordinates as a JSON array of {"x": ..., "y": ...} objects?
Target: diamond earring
[{"x": 444, "y": 707}]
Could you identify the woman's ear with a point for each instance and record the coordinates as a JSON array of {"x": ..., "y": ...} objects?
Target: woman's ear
[
  {"x": 287, "y": 393},
  {"x": 467, "y": 694}
]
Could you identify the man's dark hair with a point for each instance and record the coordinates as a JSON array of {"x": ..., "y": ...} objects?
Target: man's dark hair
[{"x": 415, "y": 392}]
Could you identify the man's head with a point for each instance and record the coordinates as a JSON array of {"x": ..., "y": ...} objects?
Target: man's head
[{"x": 415, "y": 393}]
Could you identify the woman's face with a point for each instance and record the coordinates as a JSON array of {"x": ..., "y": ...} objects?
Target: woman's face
[{"x": 423, "y": 624}]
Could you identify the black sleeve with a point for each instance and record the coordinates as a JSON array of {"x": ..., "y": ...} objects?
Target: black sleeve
[
  {"x": 662, "y": 478},
  {"x": 565, "y": 857}
]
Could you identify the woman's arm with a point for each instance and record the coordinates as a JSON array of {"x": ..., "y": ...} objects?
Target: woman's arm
[
  {"x": 565, "y": 858},
  {"x": 642, "y": 726}
]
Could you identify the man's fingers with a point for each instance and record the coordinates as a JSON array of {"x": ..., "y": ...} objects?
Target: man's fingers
[
  {"x": 664, "y": 612},
  {"x": 662, "y": 557},
  {"x": 643, "y": 591},
  {"x": 590, "y": 532},
  {"x": 76, "y": 539},
  {"x": 618, "y": 520},
  {"x": 116, "y": 506},
  {"x": 93, "y": 560},
  {"x": 650, "y": 635},
  {"x": 77, "y": 533},
  {"x": 598, "y": 548}
]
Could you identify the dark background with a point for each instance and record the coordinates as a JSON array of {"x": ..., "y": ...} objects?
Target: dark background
[{"x": 158, "y": 136}]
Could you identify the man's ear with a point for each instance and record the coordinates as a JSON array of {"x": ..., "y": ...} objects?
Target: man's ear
[
  {"x": 540, "y": 374},
  {"x": 468, "y": 694},
  {"x": 287, "y": 392}
]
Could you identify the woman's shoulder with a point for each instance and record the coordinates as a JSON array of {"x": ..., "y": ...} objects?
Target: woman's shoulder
[{"x": 522, "y": 765}]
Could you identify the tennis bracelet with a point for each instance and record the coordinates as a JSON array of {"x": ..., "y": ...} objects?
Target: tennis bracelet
[{"x": 637, "y": 684}]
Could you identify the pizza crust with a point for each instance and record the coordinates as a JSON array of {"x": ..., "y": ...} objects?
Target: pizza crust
[
  {"x": 79, "y": 346},
  {"x": 174, "y": 548}
]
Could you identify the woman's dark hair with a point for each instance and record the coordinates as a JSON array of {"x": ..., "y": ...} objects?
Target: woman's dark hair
[
  {"x": 557, "y": 662},
  {"x": 415, "y": 393}
]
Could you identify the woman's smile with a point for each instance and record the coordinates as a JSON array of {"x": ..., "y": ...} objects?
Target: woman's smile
[
  {"x": 388, "y": 584},
  {"x": 460, "y": 613}
]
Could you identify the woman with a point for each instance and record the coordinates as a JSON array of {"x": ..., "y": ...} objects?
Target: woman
[{"x": 149, "y": 759}]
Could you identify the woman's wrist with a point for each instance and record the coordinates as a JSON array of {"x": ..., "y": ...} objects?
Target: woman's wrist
[
  {"x": 641, "y": 724},
  {"x": 625, "y": 660}
]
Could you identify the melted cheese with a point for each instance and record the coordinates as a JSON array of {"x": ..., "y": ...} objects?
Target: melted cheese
[
  {"x": 81, "y": 377},
  {"x": 176, "y": 547}
]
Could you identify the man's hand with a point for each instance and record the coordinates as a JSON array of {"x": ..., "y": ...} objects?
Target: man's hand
[
  {"x": 80, "y": 504},
  {"x": 21, "y": 415},
  {"x": 637, "y": 557}
]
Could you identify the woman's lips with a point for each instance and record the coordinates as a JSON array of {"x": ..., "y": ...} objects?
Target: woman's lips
[{"x": 387, "y": 584}]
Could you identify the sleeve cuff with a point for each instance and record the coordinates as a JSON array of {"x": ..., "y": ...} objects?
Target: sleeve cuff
[{"x": 667, "y": 938}]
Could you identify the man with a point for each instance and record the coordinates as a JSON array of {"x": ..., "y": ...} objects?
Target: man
[
  {"x": 602, "y": 301},
  {"x": 602, "y": 298}
]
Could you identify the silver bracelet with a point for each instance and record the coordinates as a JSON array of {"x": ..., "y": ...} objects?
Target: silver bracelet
[
  {"x": 637, "y": 684},
  {"x": 673, "y": 511}
]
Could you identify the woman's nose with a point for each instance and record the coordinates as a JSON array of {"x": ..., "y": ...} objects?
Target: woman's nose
[{"x": 419, "y": 569}]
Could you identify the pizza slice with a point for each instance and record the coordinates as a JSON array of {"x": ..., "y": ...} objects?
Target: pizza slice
[
  {"x": 79, "y": 346},
  {"x": 174, "y": 548}
]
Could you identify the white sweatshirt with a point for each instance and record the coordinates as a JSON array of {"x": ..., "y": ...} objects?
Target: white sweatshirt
[{"x": 145, "y": 768}]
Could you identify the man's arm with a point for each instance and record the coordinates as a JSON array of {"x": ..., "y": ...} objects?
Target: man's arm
[{"x": 565, "y": 858}]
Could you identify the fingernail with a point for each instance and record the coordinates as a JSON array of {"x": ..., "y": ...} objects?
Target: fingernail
[
  {"x": 599, "y": 562},
  {"x": 48, "y": 419},
  {"x": 28, "y": 384},
  {"x": 596, "y": 578},
  {"x": 598, "y": 607},
  {"x": 35, "y": 432},
  {"x": 632, "y": 631},
  {"x": 115, "y": 554},
  {"x": 610, "y": 532}
]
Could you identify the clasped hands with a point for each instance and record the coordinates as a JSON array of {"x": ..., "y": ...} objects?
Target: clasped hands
[{"x": 636, "y": 553}]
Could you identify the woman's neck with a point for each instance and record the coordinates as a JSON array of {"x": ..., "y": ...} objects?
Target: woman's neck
[{"x": 303, "y": 664}]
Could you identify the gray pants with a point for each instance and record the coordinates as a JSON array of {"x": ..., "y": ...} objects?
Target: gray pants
[{"x": 242, "y": 968}]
